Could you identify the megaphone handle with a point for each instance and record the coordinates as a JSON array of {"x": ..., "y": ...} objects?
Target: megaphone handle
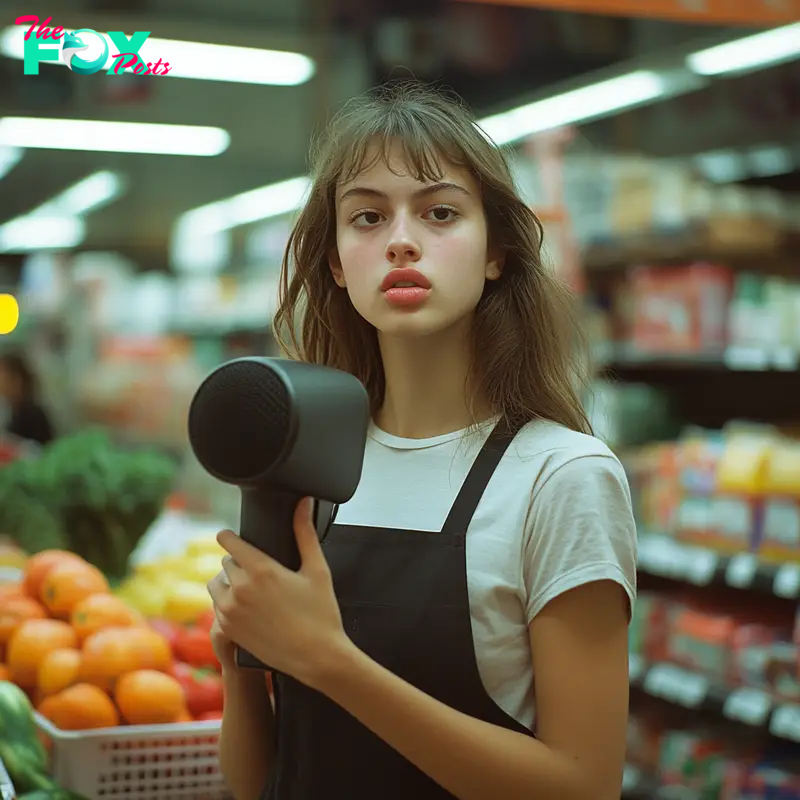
[{"x": 267, "y": 522}]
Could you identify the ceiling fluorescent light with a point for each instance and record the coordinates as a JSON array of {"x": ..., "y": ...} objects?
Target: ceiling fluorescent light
[
  {"x": 768, "y": 161},
  {"x": 251, "y": 206},
  {"x": 32, "y": 232},
  {"x": 761, "y": 50},
  {"x": 579, "y": 105},
  {"x": 219, "y": 62},
  {"x": 722, "y": 166},
  {"x": 9, "y": 158},
  {"x": 90, "y": 194},
  {"x": 200, "y": 61},
  {"x": 112, "y": 137}
]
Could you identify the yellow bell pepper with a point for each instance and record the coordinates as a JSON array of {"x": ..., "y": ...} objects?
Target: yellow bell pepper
[
  {"x": 186, "y": 601},
  {"x": 201, "y": 569}
]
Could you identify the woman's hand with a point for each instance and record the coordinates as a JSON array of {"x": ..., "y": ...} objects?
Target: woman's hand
[
  {"x": 288, "y": 620},
  {"x": 224, "y": 648}
]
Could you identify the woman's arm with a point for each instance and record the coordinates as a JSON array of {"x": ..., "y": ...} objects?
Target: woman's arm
[
  {"x": 580, "y": 646},
  {"x": 246, "y": 739}
]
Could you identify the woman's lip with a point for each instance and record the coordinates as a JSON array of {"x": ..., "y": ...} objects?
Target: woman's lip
[
  {"x": 406, "y": 296},
  {"x": 405, "y": 275}
]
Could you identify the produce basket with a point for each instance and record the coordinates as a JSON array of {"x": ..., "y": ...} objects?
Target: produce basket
[{"x": 138, "y": 762}]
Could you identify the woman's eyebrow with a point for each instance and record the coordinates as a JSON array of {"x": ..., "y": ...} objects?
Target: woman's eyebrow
[{"x": 433, "y": 188}]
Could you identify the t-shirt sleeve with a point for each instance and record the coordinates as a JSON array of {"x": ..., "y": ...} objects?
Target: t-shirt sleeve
[{"x": 580, "y": 529}]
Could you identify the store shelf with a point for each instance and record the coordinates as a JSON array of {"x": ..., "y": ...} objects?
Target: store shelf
[
  {"x": 640, "y": 785},
  {"x": 734, "y": 359},
  {"x": 745, "y": 245},
  {"x": 665, "y": 557},
  {"x": 691, "y": 690}
]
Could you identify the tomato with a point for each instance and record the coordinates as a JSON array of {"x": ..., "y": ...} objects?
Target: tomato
[
  {"x": 193, "y": 645},
  {"x": 168, "y": 630},
  {"x": 208, "y": 716},
  {"x": 202, "y": 688},
  {"x": 206, "y": 619}
]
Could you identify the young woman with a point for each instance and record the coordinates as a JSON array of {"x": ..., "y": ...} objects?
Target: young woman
[
  {"x": 461, "y": 631},
  {"x": 26, "y": 418}
]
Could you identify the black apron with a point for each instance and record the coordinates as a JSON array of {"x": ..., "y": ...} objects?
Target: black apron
[{"x": 404, "y": 601}]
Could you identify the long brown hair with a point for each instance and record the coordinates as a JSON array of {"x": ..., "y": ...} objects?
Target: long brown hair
[{"x": 524, "y": 363}]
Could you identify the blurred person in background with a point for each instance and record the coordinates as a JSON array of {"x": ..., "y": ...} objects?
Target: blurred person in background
[
  {"x": 461, "y": 631},
  {"x": 25, "y": 417}
]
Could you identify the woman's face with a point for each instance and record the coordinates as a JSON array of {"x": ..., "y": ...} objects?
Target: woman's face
[{"x": 391, "y": 228}]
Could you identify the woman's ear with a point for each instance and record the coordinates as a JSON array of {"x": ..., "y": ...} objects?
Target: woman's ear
[
  {"x": 335, "y": 263},
  {"x": 495, "y": 264}
]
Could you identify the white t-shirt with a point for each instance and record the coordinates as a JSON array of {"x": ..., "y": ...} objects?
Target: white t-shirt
[{"x": 555, "y": 515}]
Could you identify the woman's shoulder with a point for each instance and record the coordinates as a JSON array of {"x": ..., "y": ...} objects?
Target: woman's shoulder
[
  {"x": 543, "y": 449},
  {"x": 543, "y": 438}
]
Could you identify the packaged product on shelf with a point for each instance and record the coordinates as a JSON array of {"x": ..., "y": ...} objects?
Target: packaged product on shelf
[
  {"x": 701, "y": 641},
  {"x": 681, "y": 310},
  {"x": 653, "y": 473},
  {"x": 693, "y": 760},
  {"x": 780, "y": 528},
  {"x": 699, "y": 455},
  {"x": 740, "y": 485},
  {"x": 650, "y": 625}
]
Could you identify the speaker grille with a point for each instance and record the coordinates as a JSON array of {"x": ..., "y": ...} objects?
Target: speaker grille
[{"x": 239, "y": 420}]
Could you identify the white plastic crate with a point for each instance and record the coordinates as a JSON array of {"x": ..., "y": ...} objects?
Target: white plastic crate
[{"x": 138, "y": 762}]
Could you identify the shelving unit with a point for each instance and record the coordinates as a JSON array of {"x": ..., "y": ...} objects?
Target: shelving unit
[{"x": 707, "y": 388}]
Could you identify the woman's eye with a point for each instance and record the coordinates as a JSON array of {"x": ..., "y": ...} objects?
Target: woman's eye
[
  {"x": 367, "y": 218},
  {"x": 443, "y": 214}
]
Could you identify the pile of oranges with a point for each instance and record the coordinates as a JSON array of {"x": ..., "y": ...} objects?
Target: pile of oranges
[{"x": 84, "y": 657}]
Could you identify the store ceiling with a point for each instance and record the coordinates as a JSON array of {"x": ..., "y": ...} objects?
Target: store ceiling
[{"x": 493, "y": 56}]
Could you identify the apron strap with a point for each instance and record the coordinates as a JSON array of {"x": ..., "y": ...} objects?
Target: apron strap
[{"x": 478, "y": 479}]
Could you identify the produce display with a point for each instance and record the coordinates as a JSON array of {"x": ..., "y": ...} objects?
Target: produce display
[
  {"x": 86, "y": 495},
  {"x": 22, "y": 752},
  {"x": 86, "y": 657},
  {"x": 173, "y": 587}
]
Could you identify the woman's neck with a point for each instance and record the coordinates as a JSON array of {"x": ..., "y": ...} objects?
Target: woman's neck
[{"x": 426, "y": 385}]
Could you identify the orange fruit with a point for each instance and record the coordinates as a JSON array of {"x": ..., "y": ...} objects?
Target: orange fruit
[
  {"x": 14, "y": 610},
  {"x": 29, "y": 645},
  {"x": 59, "y": 670},
  {"x": 80, "y": 707},
  {"x": 67, "y": 584},
  {"x": 149, "y": 697},
  {"x": 106, "y": 655},
  {"x": 37, "y": 567},
  {"x": 100, "y": 611},
  {"x": 5, "y": 673},
  {"x": 151, "y": 650},
  {"x": 109, "y": 653},
  {"x": 13, "y": 589}
]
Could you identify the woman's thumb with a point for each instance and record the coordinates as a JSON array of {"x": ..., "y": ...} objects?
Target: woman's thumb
[{"x": 306, "y": 533}]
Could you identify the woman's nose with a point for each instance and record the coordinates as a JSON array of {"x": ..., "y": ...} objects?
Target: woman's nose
[{"x": 402, "y": 246}]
